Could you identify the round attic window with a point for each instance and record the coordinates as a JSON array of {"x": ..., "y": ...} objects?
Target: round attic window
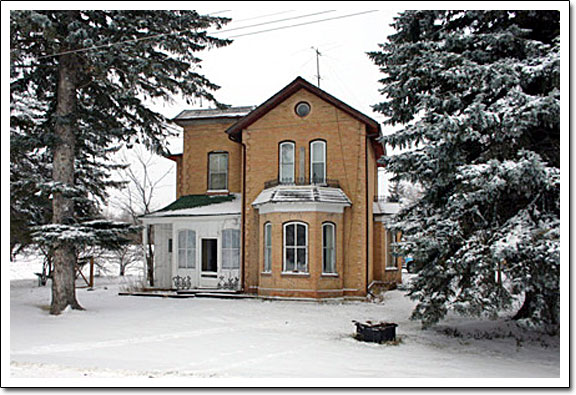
[{"x": 302, "y": 109}]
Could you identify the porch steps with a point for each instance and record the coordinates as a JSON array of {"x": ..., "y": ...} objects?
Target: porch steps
[
  {"x": 156, "y": 294},
  {"x": 215, "y": 293},
  {"x": 196, "y": 293},
  {"x": 224, "y": 295}
]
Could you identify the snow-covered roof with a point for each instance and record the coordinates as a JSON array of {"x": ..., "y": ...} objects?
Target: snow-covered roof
[
  {"x": 385, "y": 208},
  {"x": 232, "y": 112},
  {"x": 201, "y": 205},
  {"x": 302, "y": 194}
]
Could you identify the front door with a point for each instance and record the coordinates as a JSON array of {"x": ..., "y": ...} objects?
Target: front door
[{"x": 209, "y": 256}]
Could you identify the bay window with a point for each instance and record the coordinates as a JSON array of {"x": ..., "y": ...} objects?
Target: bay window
[
  {"x": 328, "y": 248},
  {"x": 268, "y": 247},
  {"x": 295, "y": 247}
]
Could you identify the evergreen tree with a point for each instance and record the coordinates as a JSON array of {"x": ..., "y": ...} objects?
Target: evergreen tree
[
  {"x": 29, "y": 204},
  {"x": 91, "y": 72},
  {"x": 394, "y": 192},
  {"x": 477, "y": 98}
]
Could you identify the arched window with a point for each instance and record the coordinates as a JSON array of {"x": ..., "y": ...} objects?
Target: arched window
[
  {"x": 295, "y": 247},
  {"x": 318, "y": 162},
  {"x": 286, "y": 162},
  {"x": 267, "y": 247},
  {"x": 218, "y": 171},
  {"x": 187, "y": 249},
  {"x": 328, "y": 248},
  {"x": 230, "y": 249}
]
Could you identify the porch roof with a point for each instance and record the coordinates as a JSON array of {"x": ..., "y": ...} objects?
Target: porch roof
[
  {"x": 385, "y": 208},
  {"x": 302, "y": 194},
  {"x": 200, "y": 205}
]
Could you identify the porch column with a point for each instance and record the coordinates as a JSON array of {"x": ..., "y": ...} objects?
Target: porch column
[{"x": 144, "y": 245}]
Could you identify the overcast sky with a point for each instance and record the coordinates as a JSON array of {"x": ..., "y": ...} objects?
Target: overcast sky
[{"x": 273, "y": 44}]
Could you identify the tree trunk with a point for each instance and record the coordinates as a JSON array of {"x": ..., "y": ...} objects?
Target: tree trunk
[
  {"x": 64, "y": 274},
  {"x": 526, "y": 309},
  {"x": 549, "y": 315}
]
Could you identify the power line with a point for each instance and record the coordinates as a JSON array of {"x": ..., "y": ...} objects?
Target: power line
[
  {"x": 219, "y": 12},
  {"x": 109, "y": 45},
  {"x": 263, "y": 16},
  {"x": 270, "y": 22},
  {"x": 303, "y": 24}
]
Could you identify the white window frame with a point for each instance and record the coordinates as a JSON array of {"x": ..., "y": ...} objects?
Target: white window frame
[
  {"x": 324, "y": 248},
  {"x": 391, "y": 260},
  {"x": 210, "y": 172},
  {"x": 314, "y": 160},
  {"x": 282, "y": 164},
  {"x": 189, "y": 251},
  {"x": 267, "y": 248},
  {"x": 235, "y": 251},
  {"x": 296, "y": 247}
]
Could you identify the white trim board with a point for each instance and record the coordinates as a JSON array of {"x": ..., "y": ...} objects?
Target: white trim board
[{"x": 289, "y": 207}]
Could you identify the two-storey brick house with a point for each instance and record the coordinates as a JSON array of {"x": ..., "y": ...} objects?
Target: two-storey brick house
[{"x": 277, "y": 200}]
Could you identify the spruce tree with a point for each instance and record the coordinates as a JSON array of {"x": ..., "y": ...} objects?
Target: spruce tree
[
  {"x": 476, "y": 98},
  {"x": 92, "y": 72}
]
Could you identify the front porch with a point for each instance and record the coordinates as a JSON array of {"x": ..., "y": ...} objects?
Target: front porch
[{"x": 196, "y": 243}]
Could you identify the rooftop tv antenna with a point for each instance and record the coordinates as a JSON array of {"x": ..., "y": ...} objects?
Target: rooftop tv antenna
[{"x": 318, "y": 54}]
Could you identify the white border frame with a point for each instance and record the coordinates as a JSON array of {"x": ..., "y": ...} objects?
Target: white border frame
[
  {"x": 312, "y": 143},
  {"x": 267, "y": 228},
  {"x": 280, "y": 164},
  {"x": 333, "y": 226},
  {"x": 307, "y": 272}
]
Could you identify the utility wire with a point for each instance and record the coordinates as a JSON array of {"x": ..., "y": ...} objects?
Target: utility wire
[
  {"x": 263, "y": 16},
  {"x": 109, "y": 45},
  {"x": 303, "y": 24}
]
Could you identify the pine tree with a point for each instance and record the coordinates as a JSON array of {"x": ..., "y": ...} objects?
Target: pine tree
[
  {"x": 476, "y": 95},
  {"x": 394, "y": 192},
  {"x": 92, "y": 72},
  {"x": 29, "y": 169}
]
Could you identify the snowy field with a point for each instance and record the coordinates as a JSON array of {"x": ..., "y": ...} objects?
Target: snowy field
[{"x": 140, "y": 338}]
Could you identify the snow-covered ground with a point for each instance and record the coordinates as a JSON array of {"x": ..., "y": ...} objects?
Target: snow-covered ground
[{"x": 136, "y": 338}]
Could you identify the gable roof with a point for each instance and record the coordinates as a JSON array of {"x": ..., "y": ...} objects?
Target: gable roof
[{"x": 372, "y": 126}]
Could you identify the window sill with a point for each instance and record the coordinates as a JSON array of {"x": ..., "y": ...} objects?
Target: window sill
[
  {"x": 266, "y": 273},
  {"x": 330, "y": 275},
  {"x": 297, "y": 274},
  {"x": 391, "y": 269},
  {"x": 217, "y": 191}
]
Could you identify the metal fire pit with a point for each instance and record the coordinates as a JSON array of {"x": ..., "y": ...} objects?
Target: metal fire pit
[{"x": 375, "y": 332}]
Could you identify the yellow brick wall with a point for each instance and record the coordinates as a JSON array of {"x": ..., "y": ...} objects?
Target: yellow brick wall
[
  {"x": 372, "y": 190},
  {"x": 179, "y": 175},
  {"x": 199, "y": 140},
  {"x": 346, "y": 143}
]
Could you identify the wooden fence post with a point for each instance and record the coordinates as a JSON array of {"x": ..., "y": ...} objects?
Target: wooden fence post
[{"x": 91, "y": 272}]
